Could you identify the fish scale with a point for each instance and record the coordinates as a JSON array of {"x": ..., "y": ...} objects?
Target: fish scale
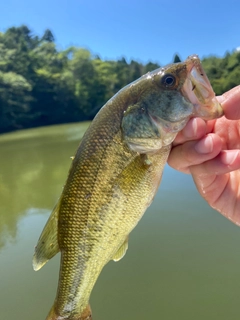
[
  {"x": 114, "y": 177},
  {"x": 111, "y": 215}
]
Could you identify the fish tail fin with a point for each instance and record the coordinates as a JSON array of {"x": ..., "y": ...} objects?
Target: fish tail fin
[{"x": 85, "y": 315}]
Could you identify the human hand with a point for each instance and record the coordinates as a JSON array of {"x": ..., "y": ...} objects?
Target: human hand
[{"x": 210, "y": 151}]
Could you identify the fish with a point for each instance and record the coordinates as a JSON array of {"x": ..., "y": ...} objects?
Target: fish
[{"x": 115, "y": 175}]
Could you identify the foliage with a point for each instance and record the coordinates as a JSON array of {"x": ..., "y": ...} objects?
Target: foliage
[
  {"x": 223, "y": 73},
  {"x": 176, "y": 59},
  {"x": 42, "y": 85}
]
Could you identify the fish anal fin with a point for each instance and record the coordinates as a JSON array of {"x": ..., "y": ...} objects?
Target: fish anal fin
[
  {"x": 47, "y": 246},
  {"x": 121, "y": 251}
]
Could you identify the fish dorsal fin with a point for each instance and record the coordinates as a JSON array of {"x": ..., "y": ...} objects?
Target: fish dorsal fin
[
  {"x": 47, "y": 246},
  {"x": 121, "y": 251}
]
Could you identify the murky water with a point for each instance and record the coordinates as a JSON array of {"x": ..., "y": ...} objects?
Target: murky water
[{"x": 183, "y": 260}]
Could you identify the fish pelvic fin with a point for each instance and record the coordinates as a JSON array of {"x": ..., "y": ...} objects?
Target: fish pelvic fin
[
  {"x": 121, "y": 251},
  {"x": 85, "y": 315},
  {"x": 47, "y": 246}
]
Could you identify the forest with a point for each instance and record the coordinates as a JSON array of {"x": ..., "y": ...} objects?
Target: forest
[{"x": 43, "y": 85}]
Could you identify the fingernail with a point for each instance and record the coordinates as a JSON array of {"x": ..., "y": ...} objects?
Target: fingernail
[
  {"x": 228, "y": 157},
  {"x": 221, "y": 98},
  {"x": 190, "y": 130},
  {"x": 205, "y": 145},
  {"x": 194, "y": 127}
]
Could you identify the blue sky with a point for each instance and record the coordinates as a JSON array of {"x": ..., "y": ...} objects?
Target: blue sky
[{"x": 136, "y": 29}]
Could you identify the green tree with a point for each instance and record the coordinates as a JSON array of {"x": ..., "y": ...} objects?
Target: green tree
[
  {"x": 48, "y": 36},
  {"x": 15, "y": 101},
  {"x": 176, "y": 59},
  {"x": 41, "y": 85},
  {"x": 150, "y": 66}
]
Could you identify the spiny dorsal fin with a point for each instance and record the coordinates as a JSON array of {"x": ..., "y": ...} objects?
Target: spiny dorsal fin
[
  {"x": 47, "y": 245},
  {"x": 121, "y": 251}
]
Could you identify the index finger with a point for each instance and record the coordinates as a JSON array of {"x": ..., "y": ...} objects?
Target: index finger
[{"x": 194, "y": 129}]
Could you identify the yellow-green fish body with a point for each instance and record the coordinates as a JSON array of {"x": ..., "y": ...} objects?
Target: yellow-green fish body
[{"x": 115, "y": 175}]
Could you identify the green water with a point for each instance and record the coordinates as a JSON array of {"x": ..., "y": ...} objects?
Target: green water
[{"x": 183, "y": 260}]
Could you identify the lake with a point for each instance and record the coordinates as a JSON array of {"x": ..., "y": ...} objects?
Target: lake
[{"x": 183, "y": 260}]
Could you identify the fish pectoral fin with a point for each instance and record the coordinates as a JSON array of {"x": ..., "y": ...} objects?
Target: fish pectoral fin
[
  {"x": 121, "y": 251},
  {"x": 47, "y": 246}
]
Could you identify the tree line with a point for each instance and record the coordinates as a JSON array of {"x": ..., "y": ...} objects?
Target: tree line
[{"x": 42, "y": 85}]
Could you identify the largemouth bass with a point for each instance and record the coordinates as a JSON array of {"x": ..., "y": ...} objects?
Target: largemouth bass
[{"x": 115, "y": 175}]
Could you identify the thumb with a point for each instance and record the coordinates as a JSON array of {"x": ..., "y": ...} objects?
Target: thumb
[{"x": 230, "y": 102}]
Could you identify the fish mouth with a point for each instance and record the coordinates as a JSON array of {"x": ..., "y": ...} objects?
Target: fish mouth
[{"x": 199, "y": 92}]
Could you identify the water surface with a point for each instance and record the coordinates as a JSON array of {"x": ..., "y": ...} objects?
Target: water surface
[{"x": 183, "y": 260}]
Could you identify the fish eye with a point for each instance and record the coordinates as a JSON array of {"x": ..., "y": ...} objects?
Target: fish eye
[{"x": 168, "y": 80}]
